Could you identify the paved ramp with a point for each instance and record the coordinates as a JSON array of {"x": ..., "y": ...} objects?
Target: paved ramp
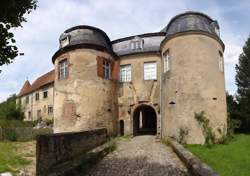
[{"x": 140, "y": 156}]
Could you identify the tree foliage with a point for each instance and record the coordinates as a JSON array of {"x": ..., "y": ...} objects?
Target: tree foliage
[
  {"x": 243, "y": 83},
  {"x": 11, "y": 16},
  {"x": 10, "y": 110}
]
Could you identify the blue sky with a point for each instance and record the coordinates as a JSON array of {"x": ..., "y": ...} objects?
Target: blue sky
[{"x": 38, "y": 38}]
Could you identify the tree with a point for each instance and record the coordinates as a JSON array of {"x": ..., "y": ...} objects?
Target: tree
[
  {"x": 243, "y": 83},
  {"x": 10, "y": 110},
  {"x": 11, "y": 16}
]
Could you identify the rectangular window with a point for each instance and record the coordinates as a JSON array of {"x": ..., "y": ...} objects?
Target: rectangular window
[
  {"x": 107, "y": 69},
  {"x": 63, "y": 69},
  {"x": 166, "y": 61},
  {"x": 150, "y": 71},
  {"x": 29, "y": 115},
  {"x": 221, "y": 65},
  {"x": 50, "y": 109},
  {"x": 125, "y": 73},
  {"x": 39, "y": 114},
  {"x": 27, "y": 100},
  {"x": 45, "y": 94},
  {"x": 37, "y": 96}
]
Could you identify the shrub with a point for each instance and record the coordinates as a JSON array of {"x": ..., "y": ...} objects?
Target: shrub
[
  {"x": 207, "y": 130},
  {"x": 183, "y": 133}
]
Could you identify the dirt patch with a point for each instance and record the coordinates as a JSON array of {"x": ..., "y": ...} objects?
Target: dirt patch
[{"x": 28, "y": 151}]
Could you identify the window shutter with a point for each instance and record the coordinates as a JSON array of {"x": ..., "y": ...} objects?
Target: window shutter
[
  {"x": 115, "y": 70},
  {"x": 100, "y": 71}
]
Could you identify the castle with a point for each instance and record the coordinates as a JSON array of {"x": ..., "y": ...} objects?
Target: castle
[{"x": 152, "y": 83}]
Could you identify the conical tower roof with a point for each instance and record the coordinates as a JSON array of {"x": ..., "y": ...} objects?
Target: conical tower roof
[{"x": 26, "y": 88}]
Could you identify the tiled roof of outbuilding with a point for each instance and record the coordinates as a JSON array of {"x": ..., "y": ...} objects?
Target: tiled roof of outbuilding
[
  {"x": 43, "y": 80},
  {"x": 25, "y": 89}
]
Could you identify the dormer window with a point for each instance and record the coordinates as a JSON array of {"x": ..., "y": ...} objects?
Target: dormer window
[
  {"x": 137, "y": 43},
  {"x": 216, "y": 27},
  {"x": 64, "y": 41}
]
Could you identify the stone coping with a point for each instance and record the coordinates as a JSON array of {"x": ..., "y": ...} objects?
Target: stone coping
[{"x": 194, "y": 165}]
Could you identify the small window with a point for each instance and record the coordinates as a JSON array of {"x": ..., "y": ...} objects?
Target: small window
[
  {"x": 64, "y": 41},
  {"x": 125, "y": 73},
  {"x": 216, "y": 27},
  {"x": 29, "y": 115},
  {"x": 136, "y": 43},
  {"x": 107, "y": 69},
  {"x": 166, "y": 62},
  {"x": 221, "y": 65},
  {"x": 150, "y": 71},
  {"x": 50, "y": 109},
  {"x": 45, "y": 94},
  {"x": 27, "y": 100},
  {"x": 37, "y": 96},
  {"x": 63, "y": 69},
  {"x": 39, "y": 115}
]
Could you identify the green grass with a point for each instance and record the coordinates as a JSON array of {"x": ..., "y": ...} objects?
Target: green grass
[
  {"x": 232, "y": 159},
  {"x": 10, "y": 161}
]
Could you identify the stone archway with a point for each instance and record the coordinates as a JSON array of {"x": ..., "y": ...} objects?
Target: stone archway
[{"x": 144, "y": 120}]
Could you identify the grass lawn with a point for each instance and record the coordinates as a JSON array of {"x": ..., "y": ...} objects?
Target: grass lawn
[
  {"x": 231, "y": 159},
  {"x": 11, "y": 157}
]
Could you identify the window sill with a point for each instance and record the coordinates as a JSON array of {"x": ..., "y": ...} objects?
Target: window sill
[{"x": 150, "y": 80}]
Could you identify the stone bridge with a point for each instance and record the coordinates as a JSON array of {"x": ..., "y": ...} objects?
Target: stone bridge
[
  {"x": 140, "y": 156},
  {"x": 75, "y": 153}
]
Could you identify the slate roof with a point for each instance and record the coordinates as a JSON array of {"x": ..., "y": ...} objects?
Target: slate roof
[
  {"x": 41, "y": 81},
  {"x": 191, "y": 21}
]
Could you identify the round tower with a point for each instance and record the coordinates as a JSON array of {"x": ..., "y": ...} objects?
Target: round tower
[
  {"x": 193, "y": 82},
  {"x": 86, "y": 72}
]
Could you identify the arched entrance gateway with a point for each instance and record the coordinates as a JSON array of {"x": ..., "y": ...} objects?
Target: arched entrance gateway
[{"x": 144, "y": 120}]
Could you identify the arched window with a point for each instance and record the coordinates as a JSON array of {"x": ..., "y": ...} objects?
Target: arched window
[{"x": 166, "y": 62}]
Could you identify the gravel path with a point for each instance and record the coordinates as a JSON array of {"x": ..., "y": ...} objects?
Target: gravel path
[{"x": 140, "y": 156}]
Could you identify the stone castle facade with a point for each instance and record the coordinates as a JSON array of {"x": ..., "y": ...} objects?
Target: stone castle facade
[{"x": 152, "y": 83}]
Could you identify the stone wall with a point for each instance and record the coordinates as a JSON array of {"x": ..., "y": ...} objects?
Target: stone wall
[
  {"x": 138, "y": 91},
  {"x": 193, "y": 84},
  {"x": 61, "y": 153},
  {"x": 35, "y": 105},
  {"x": 83, "y": 100}
]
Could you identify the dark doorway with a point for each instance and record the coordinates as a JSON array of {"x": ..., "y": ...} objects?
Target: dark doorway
[
  {"x": 144, "y": 120},
  {"x": 122, "y": 127}
]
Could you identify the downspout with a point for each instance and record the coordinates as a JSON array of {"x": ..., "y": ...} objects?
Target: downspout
[{"x": 161, "y": 97}]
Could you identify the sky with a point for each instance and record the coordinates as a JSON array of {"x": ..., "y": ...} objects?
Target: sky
[{"x": 38, "y": 38}]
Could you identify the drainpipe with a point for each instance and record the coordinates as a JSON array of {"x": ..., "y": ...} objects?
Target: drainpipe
[{"x": 161, "y": 97}]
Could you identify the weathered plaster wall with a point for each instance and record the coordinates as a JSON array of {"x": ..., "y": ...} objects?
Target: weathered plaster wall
[
  {"x": 138, "y": 91},
  {"x": 195, "y": 84},
  {"x": 84, "y": 101},
  {"x": 42, "y": 104}
]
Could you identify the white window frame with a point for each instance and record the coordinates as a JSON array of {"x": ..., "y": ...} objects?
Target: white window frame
[
  {"x": 221, "y": 65},
  {"x": 107, "y": 69},
  {"x": 137, "y": 43},
  {"x": 63, "y": 69},
  {"x": 125, "y": 73},
  {"x": 150, "y": 71},
  {"x": 166, "y": 62}
]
